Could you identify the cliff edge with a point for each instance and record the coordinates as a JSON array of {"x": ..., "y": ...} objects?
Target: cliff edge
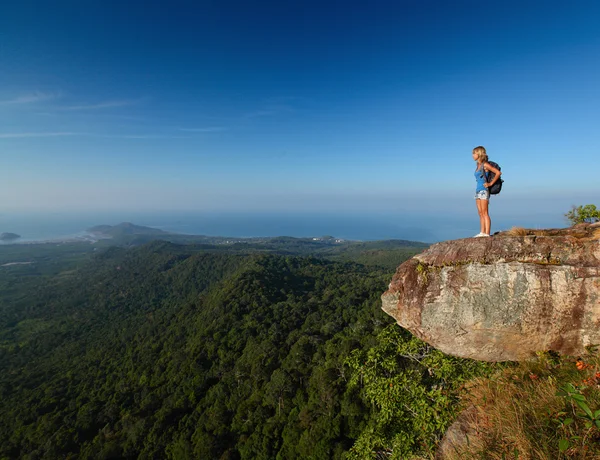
[{"x": 503, "y": 298}]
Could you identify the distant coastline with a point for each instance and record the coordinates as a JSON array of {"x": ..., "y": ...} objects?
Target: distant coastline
[
  {"x": 70, "y": 226},
  {"x": 79, "y": 238},
  {"x": 54, "y": 227}
]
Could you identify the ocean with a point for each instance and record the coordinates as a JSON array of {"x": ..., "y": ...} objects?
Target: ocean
[{"x": 360, "y": 226}]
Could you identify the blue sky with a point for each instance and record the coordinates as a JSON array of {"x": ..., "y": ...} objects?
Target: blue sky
[{"x": 311, "y": 106}]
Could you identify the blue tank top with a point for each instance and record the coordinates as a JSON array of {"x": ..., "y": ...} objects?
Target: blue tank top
[{"x": 480, "y": 179}]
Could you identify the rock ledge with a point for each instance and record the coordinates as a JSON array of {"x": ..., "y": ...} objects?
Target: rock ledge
[{"x": 503, "y": 298}]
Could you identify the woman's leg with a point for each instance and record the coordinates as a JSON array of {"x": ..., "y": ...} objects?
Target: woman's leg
[
  {"x": 487, "y": 222},
  {"x": 481, "y": 213}
]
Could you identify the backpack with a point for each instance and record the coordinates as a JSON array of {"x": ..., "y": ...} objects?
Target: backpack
[{"x": 494, "y": 189}]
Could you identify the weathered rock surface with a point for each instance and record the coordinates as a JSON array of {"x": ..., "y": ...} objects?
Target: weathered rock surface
[{"x": 503, "y": 298}]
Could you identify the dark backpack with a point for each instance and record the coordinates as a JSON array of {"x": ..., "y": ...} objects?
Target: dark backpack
[{"x": 494, "y": 189}]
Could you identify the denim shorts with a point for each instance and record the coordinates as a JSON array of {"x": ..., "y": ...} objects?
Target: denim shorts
[{"x": 482, "y": 195}]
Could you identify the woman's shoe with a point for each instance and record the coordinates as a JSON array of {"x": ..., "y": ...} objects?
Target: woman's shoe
[{"x": 479, "y": 235}]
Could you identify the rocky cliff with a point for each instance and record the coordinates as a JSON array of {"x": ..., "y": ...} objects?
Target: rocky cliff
[{"x": 505, "y": 297}]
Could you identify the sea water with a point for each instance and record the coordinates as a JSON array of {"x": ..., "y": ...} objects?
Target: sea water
[{"x": 43, "y": 226}]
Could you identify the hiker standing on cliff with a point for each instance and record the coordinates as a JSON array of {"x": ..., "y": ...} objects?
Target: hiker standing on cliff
[{"x": 482, "y": 194}]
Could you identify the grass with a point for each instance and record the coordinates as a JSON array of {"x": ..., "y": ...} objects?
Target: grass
[
  {"x": 520, "y": 231},
  {"x": 517, "y": 231},
  {"x": 547, "y": 408}
]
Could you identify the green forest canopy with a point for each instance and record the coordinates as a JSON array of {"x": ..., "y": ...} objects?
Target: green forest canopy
[{"x": 193, "y": 351}]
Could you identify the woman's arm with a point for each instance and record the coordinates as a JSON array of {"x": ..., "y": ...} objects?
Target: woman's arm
[{"x": 497, "y": 172}]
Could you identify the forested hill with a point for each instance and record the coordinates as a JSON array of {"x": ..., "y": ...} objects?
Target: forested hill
[{"x": 162, "y": 351}]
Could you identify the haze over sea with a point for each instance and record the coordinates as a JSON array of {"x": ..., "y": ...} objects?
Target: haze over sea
[{"x": 44, "y": 226}]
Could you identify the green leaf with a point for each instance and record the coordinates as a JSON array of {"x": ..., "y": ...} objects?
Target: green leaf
[
  {"x": 567, "y": 422},
  {"x": 597, "y": 414},
  {"x": 577, "y": 397},
  {"x": 570, "y": 388},
  {"x": 585, "y": 408},
  {"x": 563, "y": 445}
]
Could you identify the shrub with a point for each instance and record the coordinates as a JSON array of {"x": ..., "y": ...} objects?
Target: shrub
[
  {"x": 580, "y": 214},
  {"x": 548, "y": 408}
]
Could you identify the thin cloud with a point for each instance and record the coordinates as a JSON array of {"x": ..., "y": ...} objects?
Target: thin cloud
[
  {"x": 25, "y": 135},
  {"x": 105, "y": 136},
  {"x": 137, "y": 136},
  {"x": 270, "y": 111},
  {"x": 32, "y": 98},
  {"x": 276, "y": 106},
  {"x": 262, "y": 113},
  {"x": 105, "y": 105},
  {"x": 213, "y": 129}
]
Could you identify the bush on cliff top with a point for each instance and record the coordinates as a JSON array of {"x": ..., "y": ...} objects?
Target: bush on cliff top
[{"x": 581, "y": 214}]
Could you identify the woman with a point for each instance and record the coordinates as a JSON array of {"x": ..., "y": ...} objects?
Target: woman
[{"x": 482, "y": 195}]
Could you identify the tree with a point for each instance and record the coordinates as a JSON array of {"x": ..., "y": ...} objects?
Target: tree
[{"x": 580, "y": 214}]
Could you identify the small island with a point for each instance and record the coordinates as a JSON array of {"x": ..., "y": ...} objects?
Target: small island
[{"x": 9, "y": 236}]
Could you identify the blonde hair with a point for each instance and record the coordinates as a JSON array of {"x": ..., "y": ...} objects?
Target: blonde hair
[{"x": 482, "y": 154}]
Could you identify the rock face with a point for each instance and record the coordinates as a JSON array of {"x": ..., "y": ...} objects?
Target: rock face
[{"x": 503, "y": 298}]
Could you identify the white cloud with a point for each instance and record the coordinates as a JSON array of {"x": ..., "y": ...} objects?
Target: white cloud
[
  {"x": 31, "y": 98},
  {"x": 213, "y": 129},
  {"x": 137, "y": 136},
  {"x": 106, "y": 136},
  {"x": 105, "y": 104},
  {"x": 274, "y": 108},
  {"x": 25, "y": 135}
]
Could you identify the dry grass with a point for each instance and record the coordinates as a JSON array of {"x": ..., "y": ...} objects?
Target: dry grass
[
  {"x": 517, "y": 231},
  {"x": 520, "y": 231},
  {"x": 519, "y": 414},
  {"x": 583, "y": 233},
  {"x": 588, "y": 235}
]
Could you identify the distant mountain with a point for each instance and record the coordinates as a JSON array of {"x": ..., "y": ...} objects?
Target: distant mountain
[
  {"x": 125, "y": 228},
  {"x": 9, "y": 236}
]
